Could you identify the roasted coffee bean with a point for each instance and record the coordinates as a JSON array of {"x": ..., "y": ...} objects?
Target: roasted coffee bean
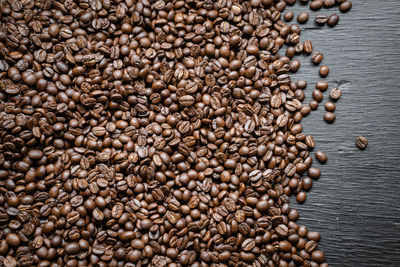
[
  {"x": 294, "y": 65},
  {"x": 314, "y": 104},
  {"x": 362, "y": 142},
  {"x": 329, "y": 117},
  {"x": 316, "y": 5},
  {"x": 317, "y": 95},
  {"x": 345, "y": 6},
  {"x": 321, "y": 156},
  {"x": 301, "y": 197},
  {"x": 12, "y": 240},
  {"x": 248, "y": 244},
  {"x": 302, "y": 17},
  {"x": 323, "y": 71},
  {"x": 307, "y": 47},
  {"x": 333, "y": 20},
  {"x": 288, "y": 16},
  {"x": 318, "y": 256},
  {"x": 328, "y": 3},
  {"x": 307, "y": 183},
  {"x": 330, "y": 106},
  {"x": 317, "y": 58},
  {"x": 321, "y": 19},
  {"x": 314, "y": 173},
  {"x": 335, "y": 94}
]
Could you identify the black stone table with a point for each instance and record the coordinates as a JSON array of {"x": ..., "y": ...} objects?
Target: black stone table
[{"x": 356, "y": 202}]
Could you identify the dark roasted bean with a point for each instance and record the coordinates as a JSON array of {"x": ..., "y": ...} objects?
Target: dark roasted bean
[
  {"x": 302, "y": 17},
  {"x": 321, "y": 156},
  {"x": 333, "y": 20},
  {"x": 329, "y": 117},
  {"x": 316, "y": 5},
  {"x": 321, "y": 19},
  {"x": 362, "y": 142},
  {"x": 288, "y": 16},
  {"x": 345, "y": 6},
  {"x": 317, "y": 58},
  {"x": 323, "y": 71},
  {"x": 335, "y": 94}
]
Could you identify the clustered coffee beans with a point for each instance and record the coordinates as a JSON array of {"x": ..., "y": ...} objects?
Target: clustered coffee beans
[{"x": 156, "y": 133}]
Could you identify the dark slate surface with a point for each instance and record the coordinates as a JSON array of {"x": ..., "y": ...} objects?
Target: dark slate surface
[{"x": 356, "y": 202}]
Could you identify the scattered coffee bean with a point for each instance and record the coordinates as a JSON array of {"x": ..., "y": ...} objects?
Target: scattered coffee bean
[
  {"x": 317, "y": 95},
  {"x": 294, "y": 65},
  {"x": 321, "y": 156},
  {"x": 330, "y": 106},
  {"x": 314, "y": 104},
  {"x": 317, "y": 58},
  {"x": 321, "y": 19},
  {"x": 328, "y": 3},
  {"x": 329, "y": 117},
  {"x": 335, "y": 94},
  {"x": 318, "y": 256},
  {"x": 321, "y": 85},
  {"x": 333, "y": 20},
  {"x": 301, "y": 197},
  {"x": 362, "y": 142},
  {"x": 307, "y": 183},
  {"x": 323, "y": 71},
  {"x": 301, "y": 84},
  {"x": 302, "y": 17},
  {"x": 316, "y": 5},
  {"x": 307, "y": 47},
  {"x": 288, "y": 16},
  {"x": 345, "y": 6},
  {"x": 314, "y": 173}
]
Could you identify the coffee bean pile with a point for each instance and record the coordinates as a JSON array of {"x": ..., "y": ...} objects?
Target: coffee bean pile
[{"x": 155, "y": 133}]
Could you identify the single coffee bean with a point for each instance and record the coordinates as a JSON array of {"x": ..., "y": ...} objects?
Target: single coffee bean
[
  {"x": 322, "y": 86},
  {"x": 311, "y": 246},
  {"x": 317, "y": 95},
  {"x": 321, "y": 20},
  {"x": 314, "y": 173},
  {"x": 330, "y": 106},
  {"x": 302, "y": 17},
  {"x": 316, "y": 236},
  {"x": 294, "y": 65},
  {"x": 317, "y": 58},
  {"x": 328, "y": 3},
  {"x": 307, "y": 183},
  {"x": 307, "y": 47},
  {"x": 335, "y": 94},
  {"x": 333, "y": 20},
  {"x": 362, "y": 142},
  {"x": 345, "y": 6},
  {"x": 186, "y": 100},
  {"x": 35, "y": 154},
  {"x": 314, "y": 104},
  {"x": 316, "y": 5},
  {"x": 318, "y": 256},
  {"x": 301, "y": 197},
  {"x": 329, "y": 117},
  {"x": 323, "y": 71},
  {"x": 288, "y": 16},
  {"x": 321, "y": 156},
  {"x": 301, "y": 84},
  {"x": 248, "y": 244},
  {"x": 12, "y": 240}
]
